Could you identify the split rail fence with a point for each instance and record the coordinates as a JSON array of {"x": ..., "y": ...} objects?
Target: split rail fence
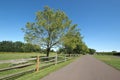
[{"x": 30, "y": 65}]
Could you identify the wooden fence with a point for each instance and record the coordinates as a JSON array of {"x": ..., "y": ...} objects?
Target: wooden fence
[{"x": 40, "y": 62}]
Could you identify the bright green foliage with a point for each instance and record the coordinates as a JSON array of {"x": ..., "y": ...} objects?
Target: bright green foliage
[
  {"x": 81, "y": 48},
  {"x": 73, "y": 42},
  {"x": 49, "y": 28},
  {"x": 72, "y": 38},
  {"x": 85, "y": 49}
]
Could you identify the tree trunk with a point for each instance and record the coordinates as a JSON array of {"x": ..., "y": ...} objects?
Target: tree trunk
[{"x": 48, "y": 51}]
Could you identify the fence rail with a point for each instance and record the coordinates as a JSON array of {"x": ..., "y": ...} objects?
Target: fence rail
[
  {"x": 15, "y": 67},
  {"x": 44, "y": 61}
]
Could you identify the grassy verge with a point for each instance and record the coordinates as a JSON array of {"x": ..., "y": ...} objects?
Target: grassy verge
[
  {"x": 111, "y": 60},
  {"x": 44, "y": 72}
]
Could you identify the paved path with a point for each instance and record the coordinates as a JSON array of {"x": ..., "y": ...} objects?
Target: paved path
[{"x": 85, "y": 68}]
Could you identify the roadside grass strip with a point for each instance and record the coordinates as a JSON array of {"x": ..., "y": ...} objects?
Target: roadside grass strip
[{"x": 114, "y": 61}]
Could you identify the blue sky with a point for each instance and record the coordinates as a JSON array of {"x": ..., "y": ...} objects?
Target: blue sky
[{"x": 99, "y": 20}]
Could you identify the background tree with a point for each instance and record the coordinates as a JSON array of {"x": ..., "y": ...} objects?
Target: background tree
[
  {"x": 17, "y": 46},
  {"x": 114, "y": 52},
  {"x": 9, "y": 46},
  {"x": 81, "y": 48},
  {"x": 6, "y": 46},
  {"x": 85, "y": 49},
  {"x": 92, "y": 51},
  {"x": 61, "y": 50},
  {"x": 72, "y": 41},
  {"x": 49, "y": 28}
]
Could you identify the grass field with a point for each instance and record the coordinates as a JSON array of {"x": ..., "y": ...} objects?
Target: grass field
[
  {"x": 11, "y": 56},
  {"x": 111, "y": 60}
]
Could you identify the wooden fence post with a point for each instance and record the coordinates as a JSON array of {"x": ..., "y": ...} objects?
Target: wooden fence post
[
  {"x": 70, "y": 56},
  {"x": 65, "y": 57},
  {"x": 38, "y": 63},
  {"x": 56, "y": 57}
]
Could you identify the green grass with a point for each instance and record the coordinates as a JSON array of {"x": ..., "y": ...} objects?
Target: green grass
[
  {"x": 13, "y": 71},
  {"x": 11, "y": 56},
  {"x": 5, "y": 65},
  {"x": 42, "y": 73},
  {"x": 111, "y": 60},
  {"x": 14, "y": 55}
]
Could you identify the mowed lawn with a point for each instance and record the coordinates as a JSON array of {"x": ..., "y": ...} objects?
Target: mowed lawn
[
  {"x": 14, "y": 55},
  {"x": 114, "y": 61}
]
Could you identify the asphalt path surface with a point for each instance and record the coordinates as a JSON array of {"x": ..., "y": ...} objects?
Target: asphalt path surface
[{"x": 85, "y": 68}]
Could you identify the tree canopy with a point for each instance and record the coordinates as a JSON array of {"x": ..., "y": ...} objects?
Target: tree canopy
[{"x": 49, "y": 29}]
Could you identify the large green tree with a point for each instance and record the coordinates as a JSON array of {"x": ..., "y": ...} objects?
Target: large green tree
[
  {"x": 48, "y": 29},
  {"x": 85, "y": 49},
  {"x": 72, "y": 39}
]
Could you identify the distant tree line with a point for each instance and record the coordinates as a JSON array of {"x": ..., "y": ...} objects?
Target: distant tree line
[
  {"x": 9, "y": 46},
  {"x": 92, "y": 51},
  {"x": 79, "y": 49},
  {"x": 115, "y": 53}
]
